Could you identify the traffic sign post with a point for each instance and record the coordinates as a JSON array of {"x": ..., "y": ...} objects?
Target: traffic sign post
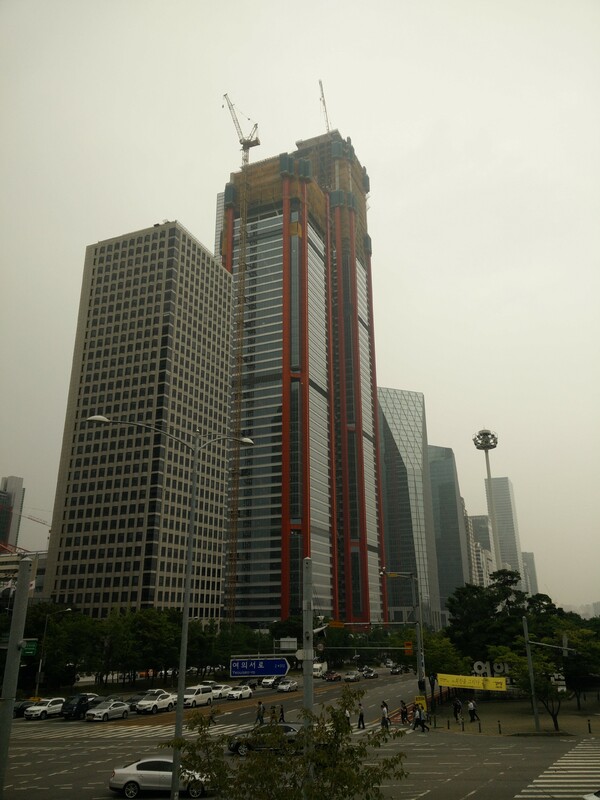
[{"x": 257, "y": 667}]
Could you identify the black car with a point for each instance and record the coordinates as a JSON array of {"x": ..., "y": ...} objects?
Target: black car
[
  {"x": 77, "y": 706},
  {"x": 251, "y": 682},
  {"x": 264, "y": 737},
  {"x": 134, "y": 700},
  {"x": 20, "y": 706}
]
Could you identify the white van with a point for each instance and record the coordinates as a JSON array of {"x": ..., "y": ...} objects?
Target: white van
[{"x": 201, "y": 695}]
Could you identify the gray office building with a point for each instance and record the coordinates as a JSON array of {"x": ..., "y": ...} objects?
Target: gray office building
[
  {"x": 449, "y": 524},
  {"x": 152, "y": 349},
  {"x": 506, "y": 525},
  {"x": 530, "y": 576},
  {"x": 407, "y": 512}
]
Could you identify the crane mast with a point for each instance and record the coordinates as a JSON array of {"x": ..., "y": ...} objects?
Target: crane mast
[
  {"x": 246, "y": 142},
  {"x": 324, "y": 104}
]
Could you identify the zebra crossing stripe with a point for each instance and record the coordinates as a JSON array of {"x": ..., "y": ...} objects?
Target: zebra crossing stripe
[{"x": 570, "y": 777}]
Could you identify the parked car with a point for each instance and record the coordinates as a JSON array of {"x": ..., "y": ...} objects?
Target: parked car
[
  {"x": 152, "y": 774},
  {"x": 370, "y": 673},
  {"x": 46, "y": 707},
  {"x": 287, "y": 685},
  {"x": 110, "y": 709},
  {"x": 271, "y": 682},
  {"x": 220, "y": 690},
  {"x": 352, "y": 677},
  {"x": 201, "y": 695},
  {"x": 251, "y": 682},
  {"x": 134, "y": 700},
  {"x": 20, "y": 706},
  {"x": 77, "y": 706},
  {"x": 333, "y": 676},
  {"x": 263, "y": 737},
  {"x": 240, "y": 693},
  {"x": 153, "y": 702}
]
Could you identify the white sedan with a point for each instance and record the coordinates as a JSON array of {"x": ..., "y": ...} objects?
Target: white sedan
[
  {"x": 153, "y": 773},
  {"x": 239, "y": 693},
  {"x": 46, "y": 707},
  {"x": 220, "y": 690},
  {"x": 109, "y": 709},
  {"x": 287, "y": 685}
]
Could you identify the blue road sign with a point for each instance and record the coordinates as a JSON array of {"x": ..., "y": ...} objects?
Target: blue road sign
[{"x": 257, "y": 667}]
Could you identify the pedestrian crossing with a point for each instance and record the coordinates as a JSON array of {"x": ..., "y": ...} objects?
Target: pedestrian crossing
[
  {"x": 32, "y": 731},
  {"x": 570, "y": 777}
]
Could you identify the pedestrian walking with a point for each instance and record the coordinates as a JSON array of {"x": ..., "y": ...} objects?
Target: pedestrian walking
[
  {"x": 457, "y": 709},
  {"x": 385, "y": 716},
  {"x": 473, "y": 711},
  {"x": 361, "y": 717},
  {"x": 260, "y": 713},
  {"x": 420, "y": 721},
  {"x": 403, "y": 713},
  {"x": 347, "y": 715},
  {"x": 273, "y": 715},
  {"x": 281, "y": 714}
]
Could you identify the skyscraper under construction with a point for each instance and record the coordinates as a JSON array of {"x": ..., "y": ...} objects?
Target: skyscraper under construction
[{"x": 304, "y": 385}]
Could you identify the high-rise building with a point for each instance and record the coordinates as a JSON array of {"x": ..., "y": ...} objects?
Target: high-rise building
[
  {"x": 448, "y": 516},
  {"x": 306, "y": 368},
  {"x": 506, "y": 525},
  {"x": 407, "y": 513},
  {"x": 152, "y": 347},
  {"x": 530, "y": 576},
  {"x": 12, "y": 495},
  {"x": 484, "y": 548}
]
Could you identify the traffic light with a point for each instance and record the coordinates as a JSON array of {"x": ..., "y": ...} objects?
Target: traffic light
[{"x": 408, "y": 648}]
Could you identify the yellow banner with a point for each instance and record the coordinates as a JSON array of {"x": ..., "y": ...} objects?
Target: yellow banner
[
  {"x": 472, "y": 682},
  {"x": 421, "y": 700}
]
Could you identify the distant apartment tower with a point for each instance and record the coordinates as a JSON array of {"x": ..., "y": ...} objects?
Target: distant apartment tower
[
  {"x": 530, "y": 576},
  {"x": 448, "y": 516},
  {"x": 506, "y": 525},
  {"x": 12, "y": 495},
  {"x": 307, "y": 373},
  {"x": 152, "y": 347},
  {"x": 408, "y": 517},
  {"x": 484, "y": 548}
]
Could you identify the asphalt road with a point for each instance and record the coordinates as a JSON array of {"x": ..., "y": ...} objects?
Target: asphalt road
[{"x": 54, "y": 759}]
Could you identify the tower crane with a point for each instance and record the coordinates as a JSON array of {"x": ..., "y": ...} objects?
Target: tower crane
[
  {"x": 324, "y": 104},
  {"x": 247, "y": 142}
]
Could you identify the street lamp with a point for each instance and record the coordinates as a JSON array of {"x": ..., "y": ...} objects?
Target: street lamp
[
  {"x": 43, "y": 649},
  {"x": 416, "y": 596},
  {"x": 195, "y": 449},
  {"x": 488, "y": 440}
]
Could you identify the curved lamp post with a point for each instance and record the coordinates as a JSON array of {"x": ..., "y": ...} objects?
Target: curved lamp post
[
  {"x": 419, "y": 625},
  {"x": 43, "y": 648},
  {"x": 195, "y": 449},
  {"x": 488, "y": 440}
]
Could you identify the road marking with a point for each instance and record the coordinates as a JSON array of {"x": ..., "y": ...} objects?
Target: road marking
[{"x": 569, "y": 777}]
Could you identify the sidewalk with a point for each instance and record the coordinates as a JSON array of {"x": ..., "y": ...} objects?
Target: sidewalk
[{"x": 515, "y": 718}]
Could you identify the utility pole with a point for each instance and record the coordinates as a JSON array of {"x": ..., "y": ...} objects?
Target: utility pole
[{"x": 13, "y": 664}]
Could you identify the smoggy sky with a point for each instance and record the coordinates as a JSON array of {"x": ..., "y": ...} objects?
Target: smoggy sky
[{"x": 478, "y": 123}]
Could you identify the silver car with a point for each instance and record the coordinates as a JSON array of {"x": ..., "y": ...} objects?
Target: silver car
[
  {"x": 109, "y": 709},
  {"x": 152, "y": 774}
]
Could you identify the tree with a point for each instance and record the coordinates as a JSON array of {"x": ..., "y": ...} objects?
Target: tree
[
  {"x": 545, "y": 667},
  {"x": 326, "y": 761}
]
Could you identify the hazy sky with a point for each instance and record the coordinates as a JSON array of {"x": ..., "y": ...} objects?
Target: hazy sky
[{"x": 479, "y": 124}]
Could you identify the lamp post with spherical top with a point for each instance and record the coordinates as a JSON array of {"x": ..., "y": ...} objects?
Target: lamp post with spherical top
[{"x": 487, "y": 440}]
